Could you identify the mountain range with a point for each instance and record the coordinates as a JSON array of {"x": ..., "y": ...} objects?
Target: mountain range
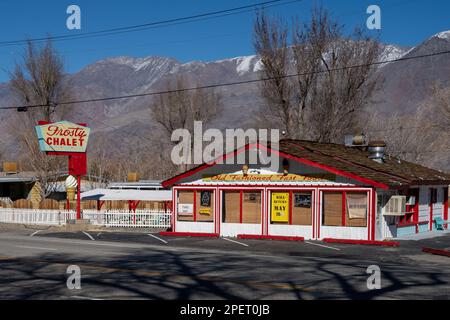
[{"x": 407, "y": 83}]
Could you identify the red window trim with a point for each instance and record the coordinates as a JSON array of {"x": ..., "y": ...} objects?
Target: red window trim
[
  {"x": 344, "y": 204},
  {"x": 195, "y": 206},
  {"x": 291, "y": 202},
  {"x": 194, "y": 191},
  {"x": 241, "y": 200},
  {"x": 413, "y": 217},
  {"x": 446, "y": 204},
  {"x": 291, "y": 194},
  {"x": 344, "y": 207}
]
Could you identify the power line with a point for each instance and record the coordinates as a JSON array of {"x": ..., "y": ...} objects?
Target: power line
[
  {"x": 211, "y": 86},
  {"x": 152, "y": 25}
]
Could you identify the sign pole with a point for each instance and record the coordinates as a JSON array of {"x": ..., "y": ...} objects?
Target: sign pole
[
  {"x": 78, "y": 197},
  {"x": 65, "y": 138}
]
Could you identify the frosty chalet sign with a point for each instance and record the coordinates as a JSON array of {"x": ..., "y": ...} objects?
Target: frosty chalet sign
[{"x": 62, "y": 136}]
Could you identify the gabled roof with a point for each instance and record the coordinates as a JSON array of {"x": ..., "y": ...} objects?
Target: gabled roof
[
  {"x": 393, "y": 172},
  {"x": 348, "y": 162}
]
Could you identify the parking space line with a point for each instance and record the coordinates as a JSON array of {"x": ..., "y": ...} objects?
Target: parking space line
[
  {"x": 38, "y": 248},
  {"x": 151, "y": 235},
  {"x": 234, "y": 241},
  {"x": 84, "y": 298},
  {"x": 323, "y": 246},
  {"x": 34, "y": 233},
  {"x": 90, "y": 237}
]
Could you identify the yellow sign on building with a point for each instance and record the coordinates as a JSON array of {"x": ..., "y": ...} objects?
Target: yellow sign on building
[{"x": 280, "y": 207}]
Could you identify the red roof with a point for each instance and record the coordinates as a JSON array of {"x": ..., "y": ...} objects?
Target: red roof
[{"x": 348, "y": 162}]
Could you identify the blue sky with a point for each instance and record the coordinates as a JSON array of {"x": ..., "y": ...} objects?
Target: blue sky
[{"x": 403, "y": 22}]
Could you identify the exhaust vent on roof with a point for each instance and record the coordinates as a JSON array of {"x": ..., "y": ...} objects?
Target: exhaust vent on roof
[{"x": 377, "y": 151}]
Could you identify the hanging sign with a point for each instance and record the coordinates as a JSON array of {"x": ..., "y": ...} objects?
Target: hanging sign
[
  {"x": 280, "y": 207},
  {"x": 62, "y": 136}
]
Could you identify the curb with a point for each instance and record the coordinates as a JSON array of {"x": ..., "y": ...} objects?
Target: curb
[
  {"x": 189, "y": 234},
  {"x": 260, "y": 237},
  {"x": 438, "y": 252},
  {"x": 363, "y": 242}
]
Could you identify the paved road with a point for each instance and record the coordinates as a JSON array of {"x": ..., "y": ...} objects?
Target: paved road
[{"x": 139, "y": 266}]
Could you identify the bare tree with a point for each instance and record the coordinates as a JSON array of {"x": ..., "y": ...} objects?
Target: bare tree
[
  {"x": 39, "y": 80},
  {"x": 408, "y": 138},
  {"x": 333, "y": 78},
  {"x": 438, "y": 107},
  {"x": 179, "y": 108},
  {"x": 100, "y": 162},
  {"x": 270, "y": 41}
]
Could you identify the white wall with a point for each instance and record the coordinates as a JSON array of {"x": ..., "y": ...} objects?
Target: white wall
[
  {"x": 233, "y": 229},
  {"x": 290, "y": 230},
  {"x": 201, "y": 227},
  {"x": 355, "y": 233}
]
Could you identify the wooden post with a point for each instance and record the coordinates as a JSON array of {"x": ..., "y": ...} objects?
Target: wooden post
[{"x": 78, "y": 197}]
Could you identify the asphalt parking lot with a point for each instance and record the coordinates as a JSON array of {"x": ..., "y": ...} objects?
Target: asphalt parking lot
[
  {"x": 145, "y": 265},
  {"x": 407, "y": 249}
]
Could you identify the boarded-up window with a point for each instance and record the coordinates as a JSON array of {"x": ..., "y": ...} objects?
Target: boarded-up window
[
  {"x": 205, "y": 206},
  {"x": 332, "y": 209},
  {"x": 251, "y": 207},
  {"x": 231, "y": 207},
  {"x": 356, "y": 210},
  {"x": 185, "y": 206},
  {"x": 302, "y": 208}
]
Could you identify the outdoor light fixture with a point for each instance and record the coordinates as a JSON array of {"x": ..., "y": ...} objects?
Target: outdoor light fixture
[
  {"x": 245, "y": 170},
  {"x": 285, "y": 166}
]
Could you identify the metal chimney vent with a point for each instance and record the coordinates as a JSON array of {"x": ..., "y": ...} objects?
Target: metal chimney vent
[{"x": 376, "y": 150}]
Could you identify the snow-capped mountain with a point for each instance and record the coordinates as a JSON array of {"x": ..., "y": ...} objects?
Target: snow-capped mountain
[
  {"x": 406, "y": 84},
  {"x": 392, "y": 52}
]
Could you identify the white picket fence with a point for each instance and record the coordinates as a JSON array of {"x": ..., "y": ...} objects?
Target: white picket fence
[
  {"x": 35, "y": 217},
  {"x": 125, "y": 218},
  {"x": 112, "y": 218}
]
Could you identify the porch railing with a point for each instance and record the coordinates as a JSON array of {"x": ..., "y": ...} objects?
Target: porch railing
[{"x": 111, "y": 218}]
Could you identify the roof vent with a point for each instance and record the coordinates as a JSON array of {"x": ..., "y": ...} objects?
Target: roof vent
[
  {"x": 358, "y": 140},
  {"x": 376, "y": 150}
]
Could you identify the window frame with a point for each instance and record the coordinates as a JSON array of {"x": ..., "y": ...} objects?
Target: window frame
[
  {"x": 291, "y": 206},
  {"x": 241, "y": 201},
  {"x": 344, "y": 223},
  {"x": 195, "y": 191}
]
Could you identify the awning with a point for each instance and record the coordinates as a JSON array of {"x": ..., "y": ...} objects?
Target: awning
[{"x": 125, "y": 195}]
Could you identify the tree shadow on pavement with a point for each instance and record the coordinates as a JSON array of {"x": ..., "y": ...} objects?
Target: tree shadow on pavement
[{"x": 163, "y": 274}]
